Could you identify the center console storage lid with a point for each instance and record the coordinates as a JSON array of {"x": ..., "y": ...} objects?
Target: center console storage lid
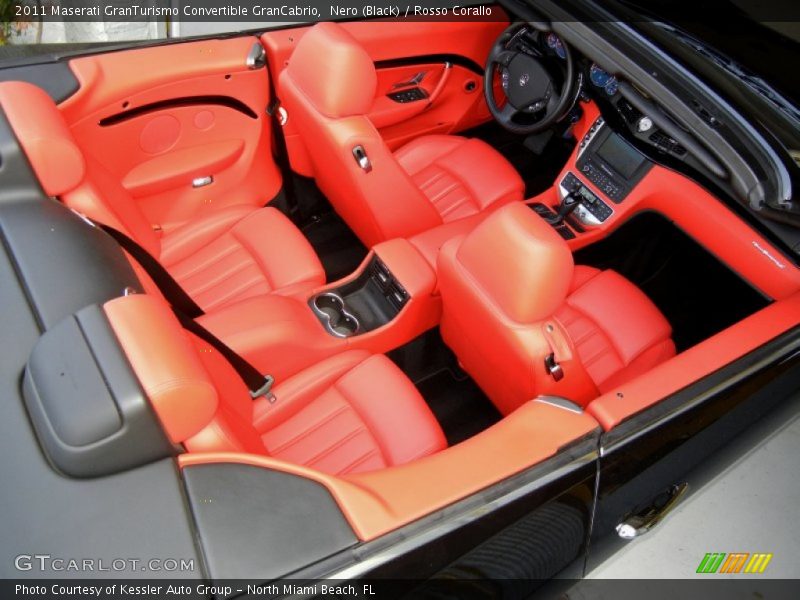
[{"x": 87, "y": 407}]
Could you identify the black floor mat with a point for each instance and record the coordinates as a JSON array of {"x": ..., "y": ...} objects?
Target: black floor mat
[
  {"x": 338, "y": 248},
  {"x": 459, "y": 405},
  {"x": 697, "y": 293},
  {"x": 538, "y": 171}
]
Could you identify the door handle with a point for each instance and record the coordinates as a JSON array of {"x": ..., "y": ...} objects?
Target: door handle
[
  {"x": 448, "y": 67},
  {"x": 641, "y": 523},
  {"x": 414, "y": 81}
]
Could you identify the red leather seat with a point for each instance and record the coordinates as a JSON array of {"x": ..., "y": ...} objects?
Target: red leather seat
[
  {"x": 512, "y": 298},
  {"x": 328, "y": 88},
  {"x": 231, "y": 254},
  {"x": 351, "y": 413}
]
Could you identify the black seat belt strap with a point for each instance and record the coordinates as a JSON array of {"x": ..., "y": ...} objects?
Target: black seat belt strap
[
  {"x": 282, "y": 152},
  {"x": 258, "y": 384},
  {"x": 187, "y": 310},
  {"x": 165, "y": 282}
]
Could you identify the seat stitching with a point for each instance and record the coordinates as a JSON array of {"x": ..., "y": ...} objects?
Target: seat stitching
[
  {"x": 206, "y": 263},
  {"x": 454, "y": 206},
  {"x": 335, "y": 446},
  {"x": 424, "y": 452},
  {"x": 325, "y": 420},
  {"x": 359, "y": 461},
  {"x": 467, "y": 189},
  {"x": 211, "y": 283},
  {"x": 436, "y": 177},
  {"x": 597, "y": 356},
  {"x": 443, "y": 193},
  {"x": 254, "y": 256},
  {"x": 357, "y": 412},
  {"x": 235, "y": 292}
]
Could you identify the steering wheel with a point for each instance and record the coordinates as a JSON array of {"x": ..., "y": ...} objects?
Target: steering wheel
[{"x": 535, "y": 99}]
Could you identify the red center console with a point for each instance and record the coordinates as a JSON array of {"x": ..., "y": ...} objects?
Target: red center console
[{"x": 386, "y": 302}]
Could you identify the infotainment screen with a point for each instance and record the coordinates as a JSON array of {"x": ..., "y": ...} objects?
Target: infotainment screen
[{"x": 620, "y": 155}]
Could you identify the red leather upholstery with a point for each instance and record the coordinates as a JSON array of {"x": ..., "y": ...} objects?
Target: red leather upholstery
[
  {"x": 44, "y": 136},
  {"x": 460, "y": 176},
  {"x": 165, "y": 363},
  {"x": 511, "y": 298},
  {"x": 343, "y": 82},
  {"x": 239, "y": 253},
  {"x": 328, "y": 89},
  {"x": 230, "y": 254},
  {"x": 351, "y": 413},
  {"x": 617, "y": 331}
]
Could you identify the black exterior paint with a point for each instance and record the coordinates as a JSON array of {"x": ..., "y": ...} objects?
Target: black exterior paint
[
  {"x": 558, "y": 491},
  {"x": 644, "y": 456}
]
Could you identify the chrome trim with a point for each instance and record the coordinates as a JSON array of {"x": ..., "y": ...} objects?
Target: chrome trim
[
  {"x": 360, "y": 154},
  {"x": 256, "y": 57},
  {"x": 327, "y": 320},
  {"x": 560, "y": 402},
  {"x": 198, "y": 182}
]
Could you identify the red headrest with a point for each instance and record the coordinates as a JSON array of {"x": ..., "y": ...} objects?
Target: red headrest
[
  {"x": 44, "y": 136},
  {"x": 165, "y": 362},
  {"x": 520, "y": 262},
  {"x": 333, "y": 71}
]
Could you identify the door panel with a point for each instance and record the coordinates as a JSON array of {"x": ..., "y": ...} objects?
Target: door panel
[
  {"x": 454, "y": 102},
  {"x": 158, "y": 118},
  {"x": 401, "y": 50}
]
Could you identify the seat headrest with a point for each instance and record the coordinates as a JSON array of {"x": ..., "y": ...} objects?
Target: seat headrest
[
  {"x": 519, "y": 261},
  {"x": 334, "y": 72},
  {"x": 44, "y": 136},
  {"x": 165, "y": 362}
]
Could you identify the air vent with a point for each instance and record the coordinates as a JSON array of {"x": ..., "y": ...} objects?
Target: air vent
[
  {"x": 396, "y": 295},
  {"x": 666, "y": 143}
]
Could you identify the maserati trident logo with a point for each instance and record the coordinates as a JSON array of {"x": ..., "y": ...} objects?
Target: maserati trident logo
[{"x": 524, "y": 79}]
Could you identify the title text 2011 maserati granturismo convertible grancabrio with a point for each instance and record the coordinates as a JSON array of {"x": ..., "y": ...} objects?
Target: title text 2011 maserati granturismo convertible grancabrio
[{"x": 439, "y": 300}]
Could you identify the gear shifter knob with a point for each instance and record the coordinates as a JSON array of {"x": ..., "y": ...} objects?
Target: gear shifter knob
[{"x": 568, "y": 204}]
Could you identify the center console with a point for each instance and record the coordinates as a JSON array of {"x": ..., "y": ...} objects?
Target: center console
[
  {"x": 612, "y": 165},
  {"x": 373, "y": 299},
  {"x": 606, "y": 168}
]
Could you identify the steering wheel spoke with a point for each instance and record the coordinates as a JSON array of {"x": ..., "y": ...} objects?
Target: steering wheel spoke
[
  {"x": 553, "y": 102},
  {"x": 507, "y": 113},
  {"x": 503, "y": 58}
]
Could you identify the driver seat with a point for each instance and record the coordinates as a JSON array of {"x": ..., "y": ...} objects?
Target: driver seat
[{"x": 328, "y": 88}]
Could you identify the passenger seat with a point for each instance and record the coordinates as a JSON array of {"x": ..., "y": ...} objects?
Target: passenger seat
[
  {"x": 235, "y": 253},
  {"x": 351, "y": 413}
]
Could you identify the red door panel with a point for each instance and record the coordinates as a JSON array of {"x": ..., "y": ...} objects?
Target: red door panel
[
  {"x": 158, "y": 118},
  {"x": 400, "y": 50}
]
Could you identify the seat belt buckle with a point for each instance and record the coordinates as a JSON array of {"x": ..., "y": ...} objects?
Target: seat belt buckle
[
  {"x": 555, "y": 370},
  {"x": 265, "y": 390},
  {"x": 273, "y": 107},
  {"x": 276, "y": 111}
]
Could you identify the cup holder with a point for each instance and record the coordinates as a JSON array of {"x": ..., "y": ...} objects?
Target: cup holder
[{"x": 333, "y": 314}]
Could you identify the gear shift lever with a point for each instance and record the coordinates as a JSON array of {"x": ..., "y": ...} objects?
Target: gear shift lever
[{"x": 568, "y": 204}]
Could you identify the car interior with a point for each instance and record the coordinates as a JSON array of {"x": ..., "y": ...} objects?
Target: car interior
[{"x": 483, "y": 253}]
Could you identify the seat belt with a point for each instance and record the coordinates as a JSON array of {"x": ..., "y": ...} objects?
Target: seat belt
[
  {"x": 282, "y": 152},
  {"x": 165, "y": 282},
  {"x": 187, "y": 310},
  {"x": 258, "y": 384}
]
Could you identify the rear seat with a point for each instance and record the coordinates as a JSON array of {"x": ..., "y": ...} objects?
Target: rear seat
[
  {"x": 235, "y": 253},
  {"x": 351, "y": 413}
]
